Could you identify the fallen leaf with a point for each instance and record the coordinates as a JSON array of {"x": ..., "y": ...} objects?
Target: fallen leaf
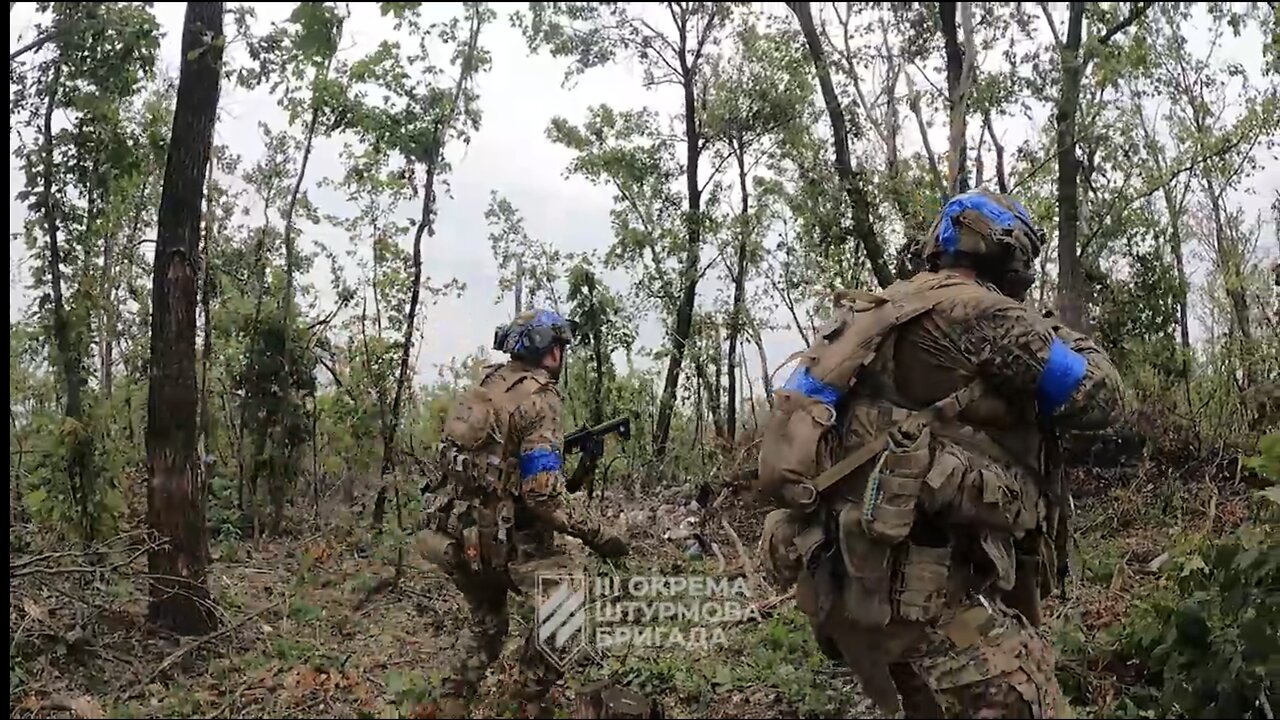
[
  {"x": 83, "y": 706},
  {"x": 34, "y": 610}
]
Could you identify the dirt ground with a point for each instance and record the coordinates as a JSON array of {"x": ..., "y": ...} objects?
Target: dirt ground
[{"x": 301, "y": 635}]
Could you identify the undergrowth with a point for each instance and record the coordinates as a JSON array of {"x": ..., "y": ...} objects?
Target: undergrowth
[{"x": 1193, "y": 632}]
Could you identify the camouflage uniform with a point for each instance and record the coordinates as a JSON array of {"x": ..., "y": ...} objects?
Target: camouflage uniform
[
  {"x": 500, "y": 507},
  {"x": 923, "y": 567}
]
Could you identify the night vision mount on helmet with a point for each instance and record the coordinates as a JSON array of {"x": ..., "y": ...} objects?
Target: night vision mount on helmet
[{"x": 533, "y": 333}]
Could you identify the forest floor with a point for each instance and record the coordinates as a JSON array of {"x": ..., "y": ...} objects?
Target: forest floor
[{"x": 302, "y": 636}]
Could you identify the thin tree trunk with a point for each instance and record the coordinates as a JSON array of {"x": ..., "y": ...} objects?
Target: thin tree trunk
[
  {"x": 207, "y": 446},
  {"x": 959, "y": 75},
  {"x": 276, "y": 483},
  {"x": 1002, "y": 178},
  {"x": 597, "y": 397},
  {"x": 739, "y": 297},
  {"x": 108, "y": 314},
  {"x": 519, "y": 284},
  {"x": 854, "y": 183},
  {"x": 1070, "y": 273},
  {"x": 713, "y": 392},
  {"x": 913, "y": 101},
  {"x": 766, "y": 380},
  {"x": 693, "y": 239},
  {"x": 176, "y": 494},
  {"x": 80, "y": 451},
  {"x": 426, "y": 224}
]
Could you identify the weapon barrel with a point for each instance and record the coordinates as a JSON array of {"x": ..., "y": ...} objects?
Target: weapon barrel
[{"x": 620, "y": 425}]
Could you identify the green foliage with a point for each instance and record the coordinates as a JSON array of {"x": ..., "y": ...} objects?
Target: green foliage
[
  {"x": 1267, "y": 462},
  {"x": 1206, "y": 642}
]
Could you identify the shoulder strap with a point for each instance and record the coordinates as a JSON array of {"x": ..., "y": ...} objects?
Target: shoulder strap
[{"x": 945, "y": 409}]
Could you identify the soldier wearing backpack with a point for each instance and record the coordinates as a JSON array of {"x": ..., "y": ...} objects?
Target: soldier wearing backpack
[
  {"x": 502, "y": 502},
  {"x": 913, "y": 453}
]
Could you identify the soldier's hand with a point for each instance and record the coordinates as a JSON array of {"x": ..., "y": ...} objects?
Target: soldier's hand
[{"x": 611, "y": 546}]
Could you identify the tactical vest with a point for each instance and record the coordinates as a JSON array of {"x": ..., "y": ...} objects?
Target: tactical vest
[
  {"x": 478, "y": 461},
  {"x": 859, "y": 510}
]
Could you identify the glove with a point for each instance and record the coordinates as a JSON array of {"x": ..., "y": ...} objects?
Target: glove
[{"x": 611, "y": 546}]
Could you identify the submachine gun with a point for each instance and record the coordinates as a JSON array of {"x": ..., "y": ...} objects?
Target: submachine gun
[{"x": 590, "y": 440}]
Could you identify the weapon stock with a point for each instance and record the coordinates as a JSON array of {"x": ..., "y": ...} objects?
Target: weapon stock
[{"x": 576, "y": 440}]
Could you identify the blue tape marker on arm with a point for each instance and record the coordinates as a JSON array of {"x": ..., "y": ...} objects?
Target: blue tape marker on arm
[
  {"x": 804, "y": 382},
  {"x": 539, "y": 460},
  {"x": 1062, "y": 374}
]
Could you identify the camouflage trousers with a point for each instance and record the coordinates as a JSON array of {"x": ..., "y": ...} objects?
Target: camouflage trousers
[
  {"x": 486, "y": 594},
  {"x": 981, "y": 660}
]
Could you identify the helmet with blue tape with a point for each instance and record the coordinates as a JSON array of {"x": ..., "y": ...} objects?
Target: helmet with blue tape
[
  {"x": 990, "y": 232},
  {"x": 533, "y": 332}
]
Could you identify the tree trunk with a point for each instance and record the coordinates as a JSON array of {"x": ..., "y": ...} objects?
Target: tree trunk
[
  {"x": 689, "y": 271},
  {"x": 79, "y": 460},
  {"x": 108, "y": 330},
  {"x": 277, "y": 482},
  {"x": 713, "y": 394},
  {"x": 854, "y": 183},
  {"x": 1070, "y": 275},
  {"x": 766, "y": 380},
  {"x": 207, "y": 448},
  {"x": 426, "y": 224},
  {"x": 957, "y": 166},
  {"x": 176, "y": 494},
  {"x": 597, "y": 397},
  {"x": 1174, "y": 209},
  {"x": 519, "y": 284},
  {"x": 739, "y": 298}
]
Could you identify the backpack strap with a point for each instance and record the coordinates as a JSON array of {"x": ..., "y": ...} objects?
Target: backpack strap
[{"x": 945, "y": 409}]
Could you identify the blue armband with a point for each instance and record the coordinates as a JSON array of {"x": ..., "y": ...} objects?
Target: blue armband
[
  {"x": 1062, "y": 374},
  {"x": 539, "y": 460},
  {"x": 805, "y": 383}
]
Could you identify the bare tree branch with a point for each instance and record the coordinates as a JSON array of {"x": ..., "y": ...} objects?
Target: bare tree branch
[
  {"x": 1136, "y": 11},
  {"x": 1002, "y": 179},
  {"x": 913, "y": 96},
  {"x": 1053, "y": 27}
]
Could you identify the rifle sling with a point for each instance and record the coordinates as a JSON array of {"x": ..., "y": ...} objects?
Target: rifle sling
[{"x": 946, "y": 408}]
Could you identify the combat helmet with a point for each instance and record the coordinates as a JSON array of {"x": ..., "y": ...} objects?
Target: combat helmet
[
  {"x": 532, "y": 333},
  {"x": 989, "y": 232}
]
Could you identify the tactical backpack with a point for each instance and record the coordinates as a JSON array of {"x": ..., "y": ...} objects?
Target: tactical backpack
[
  {"x": 805, "y": 409},
  {"x": 477, "y": 461}
]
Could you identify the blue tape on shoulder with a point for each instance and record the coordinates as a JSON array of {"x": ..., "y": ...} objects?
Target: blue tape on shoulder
[
  {"x": 539, "y": 460},
  {"x": 804, "y": 382},
  {"x": 1062, "y": 374},
  {"x": 949, "y": 234}
]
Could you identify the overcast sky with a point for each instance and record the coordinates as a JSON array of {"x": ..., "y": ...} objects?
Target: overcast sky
[{"x": 510, "y": 153}]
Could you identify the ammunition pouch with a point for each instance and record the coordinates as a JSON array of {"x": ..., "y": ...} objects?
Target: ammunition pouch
[
  {"x": 867, "y": 569},
  {"x": 891, "y": 491},
  {"x": 786, "y": 541},
  {"x": 920, "y": 592}
]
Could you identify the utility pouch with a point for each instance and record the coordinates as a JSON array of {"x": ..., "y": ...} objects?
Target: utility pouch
[
  {"x": 921, "y": 588},
  {"x": 867, "y": 570},
  {"x": 891, "y": 491}
]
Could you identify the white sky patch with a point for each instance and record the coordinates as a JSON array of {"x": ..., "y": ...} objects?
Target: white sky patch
[{"x": 511, "y": 154}]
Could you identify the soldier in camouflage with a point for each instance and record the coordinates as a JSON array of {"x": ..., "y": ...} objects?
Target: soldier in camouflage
[
  {"x": 502, "y": 501},
  {"x": 923, "y": 567}
]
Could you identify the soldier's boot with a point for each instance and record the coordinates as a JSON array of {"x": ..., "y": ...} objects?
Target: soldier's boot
[
  {"x": 536, "y": 676},
  {"x": 479, "y": 647}
]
